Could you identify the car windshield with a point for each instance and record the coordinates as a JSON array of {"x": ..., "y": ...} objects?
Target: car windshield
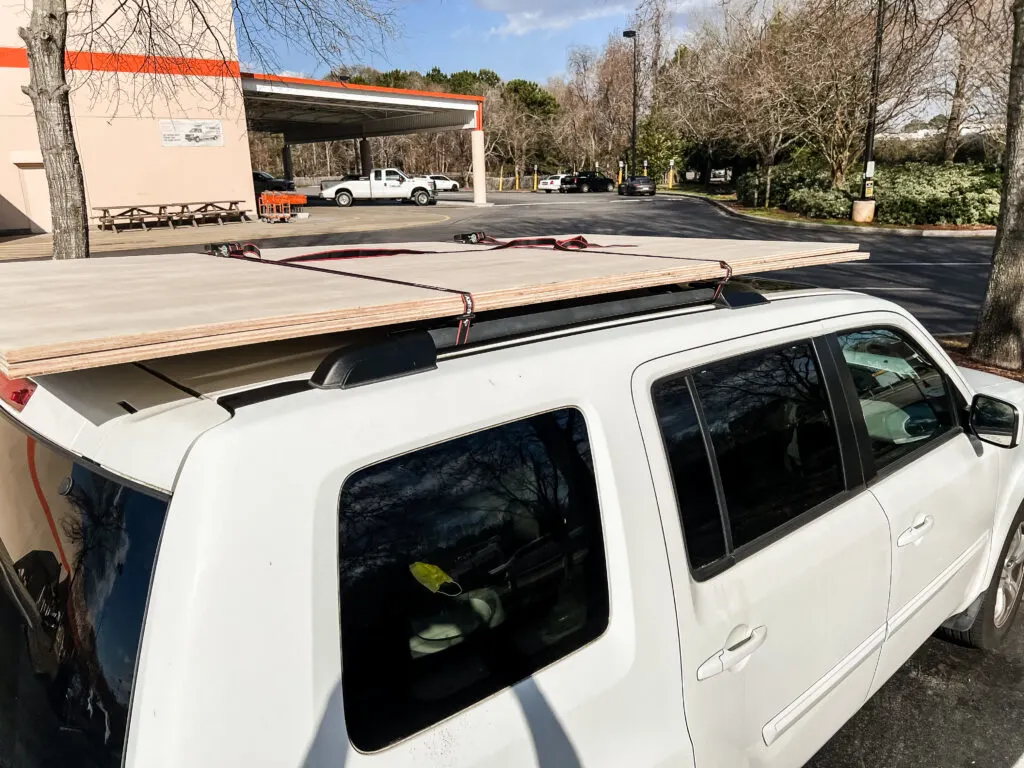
[
  {"x": 263, "y": 175},
  {"x": 77, "y": 550},
  {"x": 641, "y": 179}
]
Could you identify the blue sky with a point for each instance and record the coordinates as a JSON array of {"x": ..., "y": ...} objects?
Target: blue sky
[{"x": 515, "y": 38}]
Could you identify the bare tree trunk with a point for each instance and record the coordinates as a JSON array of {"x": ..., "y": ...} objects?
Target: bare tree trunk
[
  {"x": 45, "y": 38},
  {"x": 957, "y": 113},
  {"x": 768, "y": 186},
  {"x": 997, "y": 338}
]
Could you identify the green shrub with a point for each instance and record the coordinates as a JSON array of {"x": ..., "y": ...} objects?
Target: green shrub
[
  {"x": 937, "y": 194},
  {"x": 907, "y": 194},
  {"x": 785, "y": 179},
  {"x": 819, "y": 203}
]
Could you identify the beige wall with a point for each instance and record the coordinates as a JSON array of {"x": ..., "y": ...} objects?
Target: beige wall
[{"x": 117, "y": 126}]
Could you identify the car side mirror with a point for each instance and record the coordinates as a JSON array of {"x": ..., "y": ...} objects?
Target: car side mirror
[{"x": 995, "y": 421}]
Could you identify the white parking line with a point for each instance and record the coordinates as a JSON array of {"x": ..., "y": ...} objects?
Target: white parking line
[{"x": 883, "y": 288}]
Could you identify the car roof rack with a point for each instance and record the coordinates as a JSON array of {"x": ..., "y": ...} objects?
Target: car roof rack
[{"x": 405, "y": 351}]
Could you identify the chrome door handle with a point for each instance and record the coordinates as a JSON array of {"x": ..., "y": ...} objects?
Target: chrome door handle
[
  {"x": 916, "y": 532},
  {"x": 727, "y": 658}
]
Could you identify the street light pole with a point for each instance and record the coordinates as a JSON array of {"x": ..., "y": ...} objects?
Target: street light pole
[
  {"x": 631, "y": 33},
  {"x": 867, "y": 190}
]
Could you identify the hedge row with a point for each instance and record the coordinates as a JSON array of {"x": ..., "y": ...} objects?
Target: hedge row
[{"x": 907, "y": 194}]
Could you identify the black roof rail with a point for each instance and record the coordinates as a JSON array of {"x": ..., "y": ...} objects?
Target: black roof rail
[
  {"x": 394, "y": 356},
  {"x": 517, "y": 322},
  {"x": 409, "y": 350}
]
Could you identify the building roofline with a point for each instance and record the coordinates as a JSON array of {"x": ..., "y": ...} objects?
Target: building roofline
[{"x": 359, "y": 87}]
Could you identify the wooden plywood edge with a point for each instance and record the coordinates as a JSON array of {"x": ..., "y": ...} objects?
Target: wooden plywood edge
[{"x": 43, "y": 359}]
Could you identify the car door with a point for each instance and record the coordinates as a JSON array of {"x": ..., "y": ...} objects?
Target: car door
[
  {"x": 779, "y": 554},
  {"x": 377, "y": 184},
  {"x": 936, "y": 483}
]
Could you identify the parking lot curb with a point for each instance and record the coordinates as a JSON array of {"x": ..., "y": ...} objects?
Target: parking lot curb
[{"x": 902, "y": 231}]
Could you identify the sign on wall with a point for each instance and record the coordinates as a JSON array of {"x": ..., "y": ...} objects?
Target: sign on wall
[{"x": 191, "y": 133}]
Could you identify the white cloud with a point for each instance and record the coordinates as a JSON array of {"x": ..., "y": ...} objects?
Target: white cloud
[
  {"x": 292, "y": 73},
  {"x": 525, "y": 16}
]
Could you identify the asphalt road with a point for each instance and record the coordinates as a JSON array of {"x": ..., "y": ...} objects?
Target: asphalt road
[{"x": 948, "y": 707}]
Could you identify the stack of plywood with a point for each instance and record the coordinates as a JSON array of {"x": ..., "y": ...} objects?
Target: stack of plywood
[{"x": 65, "y": 315}]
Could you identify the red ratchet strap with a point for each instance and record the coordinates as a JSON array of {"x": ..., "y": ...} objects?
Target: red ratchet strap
[{"x": 577, "y": 243}]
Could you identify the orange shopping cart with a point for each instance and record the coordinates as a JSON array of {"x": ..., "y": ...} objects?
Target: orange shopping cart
[{"x": 279, "y": 206}]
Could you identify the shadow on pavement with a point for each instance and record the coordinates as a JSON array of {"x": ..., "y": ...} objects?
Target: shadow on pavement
[{"x": 947, "y": 707}]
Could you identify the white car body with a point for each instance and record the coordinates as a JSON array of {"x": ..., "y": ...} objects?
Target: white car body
[
  {"x": 443, "y": 184},
  {"x": 551, "y": 183},
  {"x": 381, "y": 184},
  {"x": 240, "y": 661}
]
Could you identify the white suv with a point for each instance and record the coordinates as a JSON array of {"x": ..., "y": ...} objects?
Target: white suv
[{"x": 641, "y": 530}]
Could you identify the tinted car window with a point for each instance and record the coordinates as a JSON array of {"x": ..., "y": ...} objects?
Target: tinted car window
[
  {"x": 904, "y": 397},
  {"x": 464, "y": 568},
  {"x": 691, "y": 472},
  {"x": 773, "y": 435},
  {"x": 77, "y": 551}
]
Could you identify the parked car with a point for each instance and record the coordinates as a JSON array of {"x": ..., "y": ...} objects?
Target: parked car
[
  {"x": 264, "y": 182},
  {"x": 381, "y": 184},
  {"x": 719, "y": 175},
  {"x": 586, "y": 181},
  {"x": 673, "y": 528},
  {"x": 551, "y": 183},
  {"x": 444, "y": 184},
  {"x": 637, "y": 185}
]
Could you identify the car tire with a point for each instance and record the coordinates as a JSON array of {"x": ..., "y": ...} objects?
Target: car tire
[
  {"x": 610, "y": 188},
  {"x": 421, "y": 198},
  {"x": 584, "y": 187},
  {"x": 548, "y": 191},
  {"x": 343, "y": 199},
  {"x": 985, "y": 632}
]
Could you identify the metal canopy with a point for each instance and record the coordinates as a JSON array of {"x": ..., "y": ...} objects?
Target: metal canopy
[{"x": 320, "y": 110}]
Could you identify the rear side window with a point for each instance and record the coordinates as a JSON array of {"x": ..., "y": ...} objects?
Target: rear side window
[
  {"x": 464, "y": 568},
  {"x": 691, "y": 472},
  {"x": 774, "y": 437},
  {"x": 77, "y": 551}
]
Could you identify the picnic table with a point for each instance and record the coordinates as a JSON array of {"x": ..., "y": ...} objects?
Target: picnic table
[{"x": 195, "y": 213}]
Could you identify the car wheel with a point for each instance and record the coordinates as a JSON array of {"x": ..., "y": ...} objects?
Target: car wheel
[
  {"x": 343, "y": 198},
  {"x": 585, "y": 188},
  {"x": 1001, "y": 602},
  {"x": 547, "y": 191},
  {"x": 455, "y": 188},
  {"x": 610, "y": 188},
  {"x": 421, "y": 198}
]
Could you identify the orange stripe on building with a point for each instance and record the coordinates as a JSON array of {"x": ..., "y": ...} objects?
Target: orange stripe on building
[{"x": 90, "y": 61}]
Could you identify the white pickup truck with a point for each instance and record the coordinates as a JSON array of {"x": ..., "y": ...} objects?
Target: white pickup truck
[{"x": 381, "y": 184}]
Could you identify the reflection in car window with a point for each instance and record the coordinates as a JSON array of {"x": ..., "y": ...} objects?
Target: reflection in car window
[
  {"x": 773, "y": 435},
  {"x": 691, "y": 472},
  {"x": 77, "y": 551},
  {"x": 904, "y": 397},
  {"x": 464, "y": 568}
]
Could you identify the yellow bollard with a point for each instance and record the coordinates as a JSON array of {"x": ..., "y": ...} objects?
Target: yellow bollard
[
  {"x": 517, "y": 179},
  {"x": 535, "y": 179},
  {"x": 501, "y": 178},
  {"x": 620, "y": 174}
]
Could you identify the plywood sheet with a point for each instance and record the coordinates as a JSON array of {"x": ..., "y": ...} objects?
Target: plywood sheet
[{"x": 58, "y": 316}]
